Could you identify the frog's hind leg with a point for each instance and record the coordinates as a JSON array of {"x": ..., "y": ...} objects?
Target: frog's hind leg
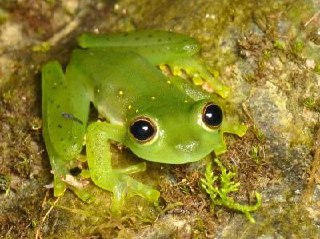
[
  {"x": 199, "y": 73},
  {"x": 102, "y": 174},
  {"x": 64, "y": 114}
]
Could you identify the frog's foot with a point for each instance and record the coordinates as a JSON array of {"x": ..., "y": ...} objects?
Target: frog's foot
[
  {"x": 63, "y": 180},
  {"x": 234, "y": 127},
  {"x": 126, "y": 187},
  {"x": 78, "y": 187},
  {"x": 231, "y": 126},
  {"x": 200, "y": 75}
]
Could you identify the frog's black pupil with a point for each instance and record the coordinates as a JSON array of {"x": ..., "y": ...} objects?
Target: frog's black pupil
[
  {"x": 142, "y": 129},
  {"x": 212, "y": 115}
]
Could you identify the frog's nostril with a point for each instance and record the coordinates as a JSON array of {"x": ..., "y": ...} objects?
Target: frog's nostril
[{"x": 187, "y": 147}]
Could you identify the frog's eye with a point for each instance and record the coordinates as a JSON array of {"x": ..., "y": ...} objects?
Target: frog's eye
[
  {"x": 143, "y": 129},
  {"x": 212, "y": 115}
]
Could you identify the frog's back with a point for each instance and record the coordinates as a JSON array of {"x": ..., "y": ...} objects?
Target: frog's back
[{"x": 116, "y": 81}]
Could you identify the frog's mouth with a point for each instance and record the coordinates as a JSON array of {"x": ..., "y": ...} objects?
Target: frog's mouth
[
  {"x": 179, "y": 154},
  {"x": 181, "y": 159}
]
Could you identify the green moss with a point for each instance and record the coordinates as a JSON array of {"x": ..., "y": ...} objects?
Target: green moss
[
  {"x": 199, "y": 227},
  {"x": 220, "y": 195},
  {"x": 51, "y": 1},
  {"x": 279, "y": 44},
  {"x": 309, "y": 103},
  {"x": 254, "y": 153},
  {"x": 5, "y": 183},
  {"x": 3, "y": 16},
  {"x": 298, "y": 46},
  {"x": 317, "y": 68},
  {"x": 41, "y": 47},
  {"x": 259, "y": 134},
  {"x": 266, "y": 54},
  {"x": 312, "y": 104}
]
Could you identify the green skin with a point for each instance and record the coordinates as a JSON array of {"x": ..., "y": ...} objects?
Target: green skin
[{"x": 119, "y": 74}]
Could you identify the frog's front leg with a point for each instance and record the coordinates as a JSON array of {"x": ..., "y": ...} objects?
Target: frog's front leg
[{"x": 102, "y": 174}]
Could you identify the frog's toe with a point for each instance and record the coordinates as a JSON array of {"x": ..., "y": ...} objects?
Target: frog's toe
[
  {"x": 220, "y": 148},
  {"x": 241, "y": 130},
  {"x": 152, "y": 195},
  {"x": 118, "y": 199},
  {"x": 59, "y": 186},
  {"x": 126, "y": 188},
  {"x": 234, "y": 127},
  {"x": 83, "y": 194}
]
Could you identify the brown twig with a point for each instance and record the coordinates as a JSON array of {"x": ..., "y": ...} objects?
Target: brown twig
[
  {"x": 312, "y": 18},
  {"x": 38, "y": 233}
]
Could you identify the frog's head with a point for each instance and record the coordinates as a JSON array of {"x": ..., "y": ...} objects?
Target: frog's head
[{"x": 177, "y": 135}]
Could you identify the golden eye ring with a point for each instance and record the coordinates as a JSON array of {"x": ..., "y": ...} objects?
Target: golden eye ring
[{"x": 143, "y": 129}]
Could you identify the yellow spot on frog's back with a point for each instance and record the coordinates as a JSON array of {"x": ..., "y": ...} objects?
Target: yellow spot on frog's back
[
  {"x": 185, "y": 101},
  {"x": 129, "y": 107},
  {"x": 137, "y": 110},
  {"x": 153, "y": 98},
  {"x": 120, "y": 92},
  {"x": 197, "y": 80},
  {"x": 207, "y": 87},
  {"x": 165, "y": 70},
  {"x": 177, "y": 71},
  {"x": 169, "y": 82},
  {"x": 162, "y": 67}
]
